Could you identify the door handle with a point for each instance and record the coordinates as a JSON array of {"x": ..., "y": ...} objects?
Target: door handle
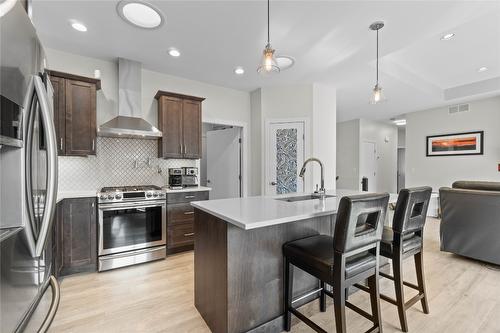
[
  {"x": 273, "y": 183},
  {"x": 50, "y": 203}
]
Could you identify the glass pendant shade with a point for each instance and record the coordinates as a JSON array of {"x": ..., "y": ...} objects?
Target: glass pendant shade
[
  {"x": 268, "y": 63},
  {"x": 377, "y": 95}
]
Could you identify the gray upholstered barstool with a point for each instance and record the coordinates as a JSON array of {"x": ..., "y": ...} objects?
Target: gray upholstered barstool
[
  {"x": 403, "y": 240},
  {"x": 349, "y": 257}
]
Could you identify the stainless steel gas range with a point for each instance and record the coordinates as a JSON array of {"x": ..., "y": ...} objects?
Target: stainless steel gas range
[{"x": 132, "y": 225}]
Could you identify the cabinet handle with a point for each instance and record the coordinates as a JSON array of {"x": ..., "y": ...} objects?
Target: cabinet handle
[
  {"x": 93, "y": 144},
  {"x": 188, "y": 213},
  {"x": 189, "y": 234},
  {"x": 61, "y": 143},
  {"x": 190, "y": 196}
]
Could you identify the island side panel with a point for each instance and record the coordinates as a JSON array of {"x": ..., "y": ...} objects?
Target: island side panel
[
  {"x": 210, "y": 270},
  {"x": 255, "y": 272}
]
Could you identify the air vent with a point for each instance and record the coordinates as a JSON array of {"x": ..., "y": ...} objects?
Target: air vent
[{"x": 458, "y": 108}]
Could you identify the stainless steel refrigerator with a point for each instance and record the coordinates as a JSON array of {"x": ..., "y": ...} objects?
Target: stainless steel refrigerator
[{"x": 28, "y": 177}]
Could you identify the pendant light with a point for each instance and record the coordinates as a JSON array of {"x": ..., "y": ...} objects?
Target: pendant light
[
  {"x": 268, "y": 63},
  {"x": 377, "y": 94}
]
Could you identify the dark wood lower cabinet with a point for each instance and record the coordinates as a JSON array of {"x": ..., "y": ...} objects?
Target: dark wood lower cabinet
[
  {"x": 75, "y": 238},
  {"x": 180, "y": 220}
]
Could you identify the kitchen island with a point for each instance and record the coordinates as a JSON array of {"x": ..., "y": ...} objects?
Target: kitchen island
[{"x": 238, "y": 260}]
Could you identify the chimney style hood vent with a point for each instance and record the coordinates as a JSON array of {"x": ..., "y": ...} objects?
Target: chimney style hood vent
[{"x": 130, "y": 122}]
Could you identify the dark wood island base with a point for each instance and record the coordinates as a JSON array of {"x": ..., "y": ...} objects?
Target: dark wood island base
[{"x": 239, "y": 273}]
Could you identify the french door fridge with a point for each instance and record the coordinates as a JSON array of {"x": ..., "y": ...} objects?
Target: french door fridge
[{"x": 28, "y": 177}]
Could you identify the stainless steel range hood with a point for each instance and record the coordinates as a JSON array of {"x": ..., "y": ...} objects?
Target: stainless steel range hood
[{"x": 130, "y": 122}]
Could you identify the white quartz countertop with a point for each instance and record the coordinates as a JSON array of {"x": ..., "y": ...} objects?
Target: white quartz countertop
[
  {"x": 75, "y": 194},
  {"x": 187, "y": 189},
  {"x": 263, "y": 211}
]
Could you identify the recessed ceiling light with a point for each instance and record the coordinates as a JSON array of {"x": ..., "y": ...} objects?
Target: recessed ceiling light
[
  {"x": 141, "y": 14},
  {"x": 79, "y": 26},
  {"x": 447, "y": 36},
  {"x": 174, "y": 52},
  {"x": 239, "y": 70},
  {"x": 285, "y": 62},
  {"x": 482, "y": 69}
]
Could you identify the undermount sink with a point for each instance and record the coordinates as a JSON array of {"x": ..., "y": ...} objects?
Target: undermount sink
[{"x": 302, "y": 197}]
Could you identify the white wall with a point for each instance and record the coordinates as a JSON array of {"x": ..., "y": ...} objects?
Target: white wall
[
  {"x": 348, "y": 154},
  {"x": 324, "y": 132},
  {"x": 385, "y": 137},
  {"x": 350, "y": 137},
  {"x": 441, "y": 171},
  {"x": 316, "y": 104},
  {"x": 220, "y": 103}
]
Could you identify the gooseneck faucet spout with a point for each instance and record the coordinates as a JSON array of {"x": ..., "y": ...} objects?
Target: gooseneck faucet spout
[{"x": 303, "y": 170}]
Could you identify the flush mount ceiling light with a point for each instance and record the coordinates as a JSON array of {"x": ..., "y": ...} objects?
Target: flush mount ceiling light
[
  {"x": 284, "y": 61},
  {"x": 268, "y": 63},
  {"x": 239, "y": 70},
  {"x": 174, "y": 52},
  {"x": 399, "y": 122},
  {"x": 140, "y": 14},
  {"x": 447, "y": 36},
  {"x": 377, "y": 95},
  {"x": 482, "y": 69},
  {"x": 78, "y": 26}
]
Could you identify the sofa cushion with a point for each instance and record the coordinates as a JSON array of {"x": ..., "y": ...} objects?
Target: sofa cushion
[{"x": 477, "y": 185}]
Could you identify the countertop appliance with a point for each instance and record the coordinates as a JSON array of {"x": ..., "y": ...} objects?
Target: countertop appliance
[
  {"x": 179, "y": 178},
  {"x": 139, "y": 213},
  {"x": 28, "y": 175}
]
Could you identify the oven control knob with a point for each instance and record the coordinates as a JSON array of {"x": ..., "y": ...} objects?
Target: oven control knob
[
  {"x": 148, "y": 194},
  {"x": 118, "y": 196},
  {"x": 155, "y": 194},
  {"x": 110, "y": 197},
  {"x": 102, "y": 197}
]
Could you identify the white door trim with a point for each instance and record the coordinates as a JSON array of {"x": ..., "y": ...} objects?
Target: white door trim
[
  {"x": 265, "y": 150},
  {"x": 244, "y": 148}
]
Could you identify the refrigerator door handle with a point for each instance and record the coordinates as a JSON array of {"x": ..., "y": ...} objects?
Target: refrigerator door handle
[
  {"x": 56, "y": 295},
  {"x": 50, "y": 137}
]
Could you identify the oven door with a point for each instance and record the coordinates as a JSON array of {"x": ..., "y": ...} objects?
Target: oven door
[{"x": 131, "y": 226}]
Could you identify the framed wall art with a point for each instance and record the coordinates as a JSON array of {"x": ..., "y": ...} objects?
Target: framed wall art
[{"x": 469, "y": 143}]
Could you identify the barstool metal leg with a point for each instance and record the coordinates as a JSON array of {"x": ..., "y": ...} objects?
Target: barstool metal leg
[
  {"x": 322, "y": 298},
  {"x": 288, "y": 284},
  {"x": 397, "y": 264},
  {"x": 373, "y": 285},
  {"x": 419, "y": 267}
]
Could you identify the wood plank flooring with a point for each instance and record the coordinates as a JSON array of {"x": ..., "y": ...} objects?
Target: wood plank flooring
[{"x": 464, "y": 296}]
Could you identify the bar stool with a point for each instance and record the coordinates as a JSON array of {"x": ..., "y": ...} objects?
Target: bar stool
[
  {"x": 351, "y": 256},
  {"x": 403, "y": 240}
]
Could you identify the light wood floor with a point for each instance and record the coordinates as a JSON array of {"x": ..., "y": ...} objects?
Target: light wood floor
[{"x": 158, "y": 297}]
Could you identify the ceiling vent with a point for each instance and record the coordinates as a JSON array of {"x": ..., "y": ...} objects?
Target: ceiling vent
[{"x": 458, "y": 108}]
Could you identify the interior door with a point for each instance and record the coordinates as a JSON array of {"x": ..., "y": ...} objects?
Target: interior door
[
  {"x": 285, "y": 156},
  {"x": 223, "y": 163},
  {"x": 368, "y": 164}
]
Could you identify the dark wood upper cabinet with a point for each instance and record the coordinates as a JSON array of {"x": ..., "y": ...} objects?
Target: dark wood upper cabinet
[
  {"x": 75, "y": 113},
  {"x": 179, "y": 118}
]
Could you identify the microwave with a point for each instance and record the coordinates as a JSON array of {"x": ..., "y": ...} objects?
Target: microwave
[{"x": 10, "y": 123}]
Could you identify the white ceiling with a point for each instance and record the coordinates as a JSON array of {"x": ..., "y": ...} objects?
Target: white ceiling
[{"x": 330, "y": 41}]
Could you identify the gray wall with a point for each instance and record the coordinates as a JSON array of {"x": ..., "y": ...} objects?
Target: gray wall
[{"x": 444, "y": 170}]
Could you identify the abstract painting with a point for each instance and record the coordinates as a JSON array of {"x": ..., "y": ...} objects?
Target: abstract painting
[{"x": 470, "y": 143}]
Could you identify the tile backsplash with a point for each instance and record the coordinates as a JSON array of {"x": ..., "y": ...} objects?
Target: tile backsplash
[{"x": 117, "y": 162}]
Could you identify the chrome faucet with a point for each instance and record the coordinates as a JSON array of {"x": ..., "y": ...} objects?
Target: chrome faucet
[{"x": 321, "y": 191}]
